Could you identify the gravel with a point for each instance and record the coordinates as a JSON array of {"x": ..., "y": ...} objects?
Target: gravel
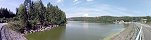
[
  {"x": 7, "y": 34},
  {"x": 129, "y": 33}
]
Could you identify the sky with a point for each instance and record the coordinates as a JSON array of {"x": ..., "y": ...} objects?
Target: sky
[{"x": 92, "y": 8}]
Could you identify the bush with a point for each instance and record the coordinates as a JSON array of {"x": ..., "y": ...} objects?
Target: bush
[
  {"x": 16, "y": 26},
  {"x": 32, "y": 23}
]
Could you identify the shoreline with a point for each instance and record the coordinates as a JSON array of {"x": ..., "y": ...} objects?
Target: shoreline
[
  {"x": 44, "y": 28},
  {"x": 112, "y": 35},
  {"x": 128, "y": 34},
  {"x": 7, "y": 33}
]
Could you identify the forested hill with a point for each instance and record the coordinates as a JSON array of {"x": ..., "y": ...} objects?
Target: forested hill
[{"x": 109, "y": 19}]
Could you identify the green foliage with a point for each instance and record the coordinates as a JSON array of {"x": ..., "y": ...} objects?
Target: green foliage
[
  {"x": 50, "y": 14},
  {"x": 16, "y": 26},
  {"x": 31, "y": 13},
  {"x": 54, "y": 15},
  {"x": 23, "y": 15},
  {"x": 4, "y": 12},
  {"x": 148, "y": 19}
]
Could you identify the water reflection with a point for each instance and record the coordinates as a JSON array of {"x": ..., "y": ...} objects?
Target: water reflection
[
  {"x": 77, "y": 30},
  {"x": 85, "y": 26},
  {"x": 126, "y": 25},
  {"x": 53, "y": 34}
]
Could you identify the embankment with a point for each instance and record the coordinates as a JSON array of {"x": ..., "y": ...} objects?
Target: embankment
[
  {"x": 129, "y": 33},
  {"x": 7, "y": 34}
]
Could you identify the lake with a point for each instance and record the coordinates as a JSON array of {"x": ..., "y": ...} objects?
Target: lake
[{"x": 78, "y": 30}]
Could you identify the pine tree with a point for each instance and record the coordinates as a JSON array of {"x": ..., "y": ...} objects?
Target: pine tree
[
  {"x": 31, "y": 13},
  {"x": 22, "y": 14},
  {"x": 55, "y": 15},
  {"x": 27, "y": 4},
  {"x": 5, "y": 13}
]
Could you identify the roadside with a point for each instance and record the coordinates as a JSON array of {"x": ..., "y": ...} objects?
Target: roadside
[
  {"x": 8, "y": 34},
  {"x": 113, "y": 35},
  {"x": 149, "y": 24},
  {"x": 147, "y": 31},
  {"x": 129, "y": 33}
]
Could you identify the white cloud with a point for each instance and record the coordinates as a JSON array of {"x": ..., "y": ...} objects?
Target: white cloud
[
  {"x": 59, "y": 1},
  {"x": 89, "y": 0},
  {"x": 75, "y": 0},
  {"x": 101, "y": 10}
]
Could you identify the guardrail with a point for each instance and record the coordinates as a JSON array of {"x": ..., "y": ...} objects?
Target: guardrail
[{"x": 139, "y": 35}]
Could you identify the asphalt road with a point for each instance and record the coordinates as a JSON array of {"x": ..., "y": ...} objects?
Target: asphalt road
[{"x": 146, "y": 31}]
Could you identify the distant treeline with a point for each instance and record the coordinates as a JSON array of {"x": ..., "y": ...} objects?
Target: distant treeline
[
  {"x": 5, "y": 13},
  {"x": 110, "y": 19}
]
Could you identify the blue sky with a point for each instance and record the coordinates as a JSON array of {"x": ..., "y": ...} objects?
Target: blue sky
[{"x": 78, "y": 8}]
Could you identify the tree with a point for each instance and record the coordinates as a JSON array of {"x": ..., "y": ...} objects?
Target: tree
[
  {"x": 30, "y": 13},
  {"x": 37, "y": 10},
  {"x": 22, "y": 14},
  {"x": 49, "y": 13},
  {"x": 148, "y": 19},
  {"x": 55, "y": 15},
  {"x": 4, "y": 12}
]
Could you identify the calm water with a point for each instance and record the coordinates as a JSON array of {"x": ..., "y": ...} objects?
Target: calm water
[{"x": 76, "y": 30}]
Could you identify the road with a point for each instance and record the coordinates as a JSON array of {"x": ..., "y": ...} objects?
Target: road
[
  {"x": 1, "y": 25},
  {"x": 7, "y": 34},
  {"x": 0, "y": 30},
  {"x": 146, "y": 31}
]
